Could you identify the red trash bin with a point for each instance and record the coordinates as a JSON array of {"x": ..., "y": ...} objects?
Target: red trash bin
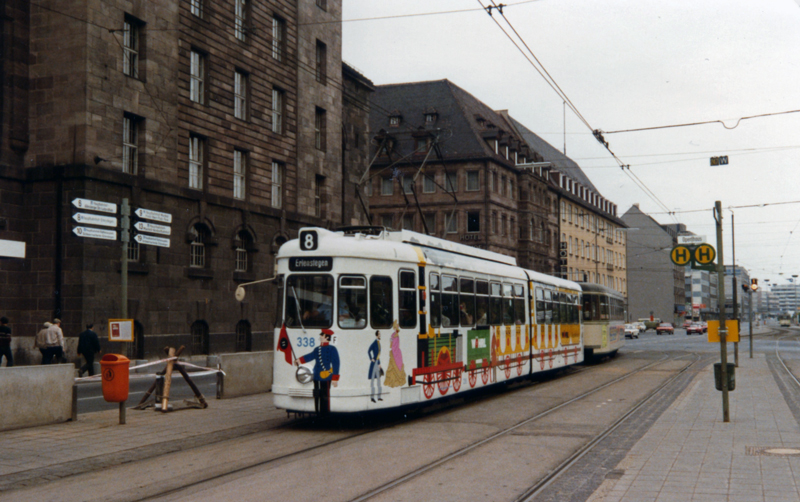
[{"x": 115, "y": 371}]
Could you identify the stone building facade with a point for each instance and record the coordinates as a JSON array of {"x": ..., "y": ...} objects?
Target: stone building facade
[{"x": 203, "y": 110}]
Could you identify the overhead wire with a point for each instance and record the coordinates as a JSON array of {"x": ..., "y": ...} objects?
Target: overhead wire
[{"x": 717, "y": 121}]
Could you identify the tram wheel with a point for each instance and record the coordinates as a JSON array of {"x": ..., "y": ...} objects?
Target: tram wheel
[
  {"x": 508, "y": 367},
  {"x": 457, "y": 381},
  {"x": 427, "y": 386},
  {"x": 473, "y": 378}
]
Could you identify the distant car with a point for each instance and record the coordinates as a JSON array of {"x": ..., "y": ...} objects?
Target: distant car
[
  {"x": 631, "y": 331},
  {"x": 665, "y": 327},
  {"x": 705, "y": 326},
  {"x": 640, "y": 326},
  {"x": 695, "y": 329},
  {"x": 687, "y": 324}
]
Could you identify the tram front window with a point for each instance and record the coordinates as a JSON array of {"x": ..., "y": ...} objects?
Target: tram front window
[{"x": 312, "y": 297}]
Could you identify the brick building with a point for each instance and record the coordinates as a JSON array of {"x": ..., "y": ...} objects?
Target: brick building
[
  {"x": 450, "y": 166},
  {"x": 227, "y": 115}
]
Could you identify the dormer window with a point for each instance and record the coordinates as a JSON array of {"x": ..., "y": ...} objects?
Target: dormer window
[
  {"x": 430, "y": 117},
  {"x": 394, "y": 120},
  {"x": 489, "y": 125}
]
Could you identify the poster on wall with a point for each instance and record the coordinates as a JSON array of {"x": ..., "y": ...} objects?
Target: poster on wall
[{"x": 120, "y": 330}]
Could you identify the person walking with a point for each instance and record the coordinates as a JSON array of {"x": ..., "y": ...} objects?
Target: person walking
[
  {"x": 5, "y": 342},
  {"x": 41, "y": 341},
  {"x": 55, "y": 342},
  {"x": 88, "y": 346}
]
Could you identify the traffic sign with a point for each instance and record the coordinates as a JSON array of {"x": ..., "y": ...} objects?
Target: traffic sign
[
  {"x": 95, "y": 205},
  {"x": 95, "y": 233},
  {"x": 152, "y": 228},
  {"x": 95, "y": 219},
  {"x": 152, "y": 240},
  {"x": 148, "y": 214},
  {"x": 705, "y": 254},
  {"x": 681, "y": 255},
  {"x": 722, "y": 160},
  {"x": 691, "y": 239}
]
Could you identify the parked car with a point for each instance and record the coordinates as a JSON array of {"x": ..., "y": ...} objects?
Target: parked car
[
  {"x": 650, "y": 324},
  {"x": 695, "y": 329},
  {"x": 640, "y": 326},
  {"x": 687, "y": 324},
  {"x": 705, "y": 326},
  {"x": 665, "y": 327},
  {"x": 631, "y": 331}
]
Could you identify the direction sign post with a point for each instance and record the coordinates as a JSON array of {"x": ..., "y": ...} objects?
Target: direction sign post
[
  {"x": 95, "y": 233},
  {"x": 152, "y": 240},
  {"x": 95, "y": 205}
]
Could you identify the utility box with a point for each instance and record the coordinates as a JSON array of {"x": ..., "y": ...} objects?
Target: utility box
[
  {"x": 731, "y": 376},
  {"x": 115, "y": 369}
]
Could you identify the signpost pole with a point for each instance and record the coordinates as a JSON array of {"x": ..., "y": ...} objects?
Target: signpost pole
[
  {"x": 125, "y": 237},
  {"x": 751, "y": 323},
  {"x": 735, "y": 291},
  {"x": 723, "y": 330}
]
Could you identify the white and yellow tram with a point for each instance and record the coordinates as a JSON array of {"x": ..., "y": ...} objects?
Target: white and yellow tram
[
  {"x": 603, "y": 320},
  {"x": 376, "y": 319}
]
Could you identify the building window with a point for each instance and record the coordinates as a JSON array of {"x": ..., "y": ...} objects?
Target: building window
[
  {"x": 319, "y": 128},
  {"x": 368, "y": 188},
  {"x": 510, "y": 188},
  {"x": 197, "y": 247},
  {"x": 196, "y": 6},
  {"x": 408, "y": 222},
  {"x": 473, "y": 221},
  {"x": 494, "y": 222},
  {"x": 197, "y": 77},
  {"x": 200, "y": 339},
  {"x": 277, "y": 111},
  {"x": 451, "y": 222},
  {"x": 473, "y": 181},
  {"x": 386, "y": 220},
  {"x": 428, "y": 184},
  {"x": 322, "y": 4},
  {"x": 130, "y": 47},
  {"x": 563, "y": 211},
  {"x": 421, "y": 145},
  {"x": 244, "y": 337},
  {"x": 394, "y": 120},
  {"x": 240, "y": 95},
  {"x": 503, "y": 224},
  {"x": 278, "y": 37},
  {"x": 492, "y": 181},
  {"x": 133, "y": 249},
  {"x": 240, "y": 19},
  {"x": 321, "y": 62},
  {"x": 502, "y": 185},
  {"x": 408, "y": 184},
  {"x": 130, "y": 143},
  {"x": 239, "y": 171},
  {"x": 430, "y": 222},
  {"x": 318, "y": 182},
  {"x": 277, "y": 184},
  {"x": 196, "y": 147},
  {"x": 451, "y": 182},
  {"x": 387, "y": 186},
  {"x": 240, "y": 243}
]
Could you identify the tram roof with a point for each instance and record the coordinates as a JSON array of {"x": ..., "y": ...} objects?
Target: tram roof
[{"x": 590, "y": 287}]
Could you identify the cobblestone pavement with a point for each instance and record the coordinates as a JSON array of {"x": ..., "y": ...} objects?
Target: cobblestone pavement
[
  {"x": 40, "y": 454},
  {"x": 690, "y": 454}
]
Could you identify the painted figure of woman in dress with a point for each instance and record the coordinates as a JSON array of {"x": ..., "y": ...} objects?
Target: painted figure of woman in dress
[{"x": 395, "y": 374}]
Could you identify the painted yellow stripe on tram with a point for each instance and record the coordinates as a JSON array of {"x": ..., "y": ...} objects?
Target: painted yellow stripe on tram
[{"x": 420, "y": 255}]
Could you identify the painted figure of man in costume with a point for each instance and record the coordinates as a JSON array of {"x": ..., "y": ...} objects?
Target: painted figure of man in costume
[
  {"x": 326, "y": 370},
  {"x": 375, "y": 369}
]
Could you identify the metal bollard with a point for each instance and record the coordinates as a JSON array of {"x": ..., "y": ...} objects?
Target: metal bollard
[
  {"x": 74, "y": 417},
  {"x": 220, "y": 385},
  {"x": 122, "y": 413}
]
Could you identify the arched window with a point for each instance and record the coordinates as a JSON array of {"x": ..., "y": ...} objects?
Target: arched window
[
  {"x": 241, "y": 243},
  {"x": 244, "y": 336},
  {"x": 197, "y": 247},
  {"x": 200, "y": 340}
]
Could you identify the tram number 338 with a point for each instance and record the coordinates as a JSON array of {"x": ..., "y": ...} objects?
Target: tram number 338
[
  {"x": 305, "y": 341},
  {"x": 308, "y": 241}
]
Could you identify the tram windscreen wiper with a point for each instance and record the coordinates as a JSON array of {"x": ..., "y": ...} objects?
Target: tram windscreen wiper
[{"x": 297, "y": 309}]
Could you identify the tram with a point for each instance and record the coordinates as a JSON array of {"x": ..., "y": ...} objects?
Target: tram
[
  {"x": 785, "y": 320},
  {"x": 377, "y": 319},
  {"x": 603, "y": 320}
]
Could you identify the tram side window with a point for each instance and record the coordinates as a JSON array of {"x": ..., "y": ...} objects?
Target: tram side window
[
  {"x": 604, "y": 307},
  {"x": 312, "y": 297},
  {"x": 587, "y": 307},
  {"x": 407, "y": 299},
  {"x": 467, "y": 305},
  {"x": 519, "y": 304},
  {"x": 563, "y": 308},
  {"x": 508, "y": 304},
  {"x": 380, "y": 301},
  {"x": 279, "y": 300},
  {"x": 539, "y": 306},
  {"x": 548, "y": 307},
  {"x": 496, "y": 304},
  {"x": 352, "y": 302},
  {"x": 482, "y": 302},
  {"x": 449, "y": 301},
  {"x": 436, "y": 303},
  {"x": 574, "y": 302}
]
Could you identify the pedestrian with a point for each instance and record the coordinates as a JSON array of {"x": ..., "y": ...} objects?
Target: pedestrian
[
  {"x": 88, "y": 346},
  {"x": 5, "y": 342},
  {"x": 55, "y": 342},
  {"x": 41, "y": 342}
]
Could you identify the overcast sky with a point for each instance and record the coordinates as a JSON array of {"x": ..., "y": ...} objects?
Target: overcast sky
[{"x": 629, "y": 64}]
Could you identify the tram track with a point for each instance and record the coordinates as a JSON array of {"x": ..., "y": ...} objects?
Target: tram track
[
  {"x": 178, "y": 487},
  {"x": 543, "y": 483}
]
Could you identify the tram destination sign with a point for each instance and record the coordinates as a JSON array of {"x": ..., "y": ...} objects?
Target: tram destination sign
[
  {"x": 315, "y": 264},
  {"x": 95, "y": 205},
  {"x": 95, "y": 233},
  {"x": 95, "y": 219}
]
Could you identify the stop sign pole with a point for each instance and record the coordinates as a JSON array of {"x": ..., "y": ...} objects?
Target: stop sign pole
[{"x": 723, "y": 329}]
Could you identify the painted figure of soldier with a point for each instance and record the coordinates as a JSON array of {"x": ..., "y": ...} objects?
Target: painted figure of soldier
[{"x": 326, "y": 370}]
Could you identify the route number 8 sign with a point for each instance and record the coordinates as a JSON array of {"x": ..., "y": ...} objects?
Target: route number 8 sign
[{"x": 308, "y": 240}]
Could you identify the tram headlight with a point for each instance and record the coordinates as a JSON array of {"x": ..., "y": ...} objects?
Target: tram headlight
[{"x": 304, "y": 375}]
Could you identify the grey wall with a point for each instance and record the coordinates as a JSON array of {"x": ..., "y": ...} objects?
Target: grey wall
[
  {"x": 35, "y": 395},
  {"x": 246, "y": 373}
]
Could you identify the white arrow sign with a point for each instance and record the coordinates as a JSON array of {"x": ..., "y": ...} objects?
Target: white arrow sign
[
  {"x": 95, "y": 219},
  {"x": 95, "y": 205},
  {"x": 151, "y": 240},
  {"x": 153, "y": 228},
  {"x": 147, "y": 214},
  {"x": 95, "y": 233}
]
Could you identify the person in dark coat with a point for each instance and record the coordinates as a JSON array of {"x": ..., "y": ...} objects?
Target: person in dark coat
[
  {"x": 5, "y": 342},
  {"x": 88, "y": 346}
]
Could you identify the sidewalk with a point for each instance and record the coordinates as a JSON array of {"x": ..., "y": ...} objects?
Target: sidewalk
[
  {"x": 691, "y": 454},
  {"x": 40, "y": 454}
]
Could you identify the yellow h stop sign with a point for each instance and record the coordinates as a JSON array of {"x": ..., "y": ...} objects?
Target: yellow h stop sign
[
  {"x": 681, "y": 255},
  {"x": 705, "y": 254}
]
